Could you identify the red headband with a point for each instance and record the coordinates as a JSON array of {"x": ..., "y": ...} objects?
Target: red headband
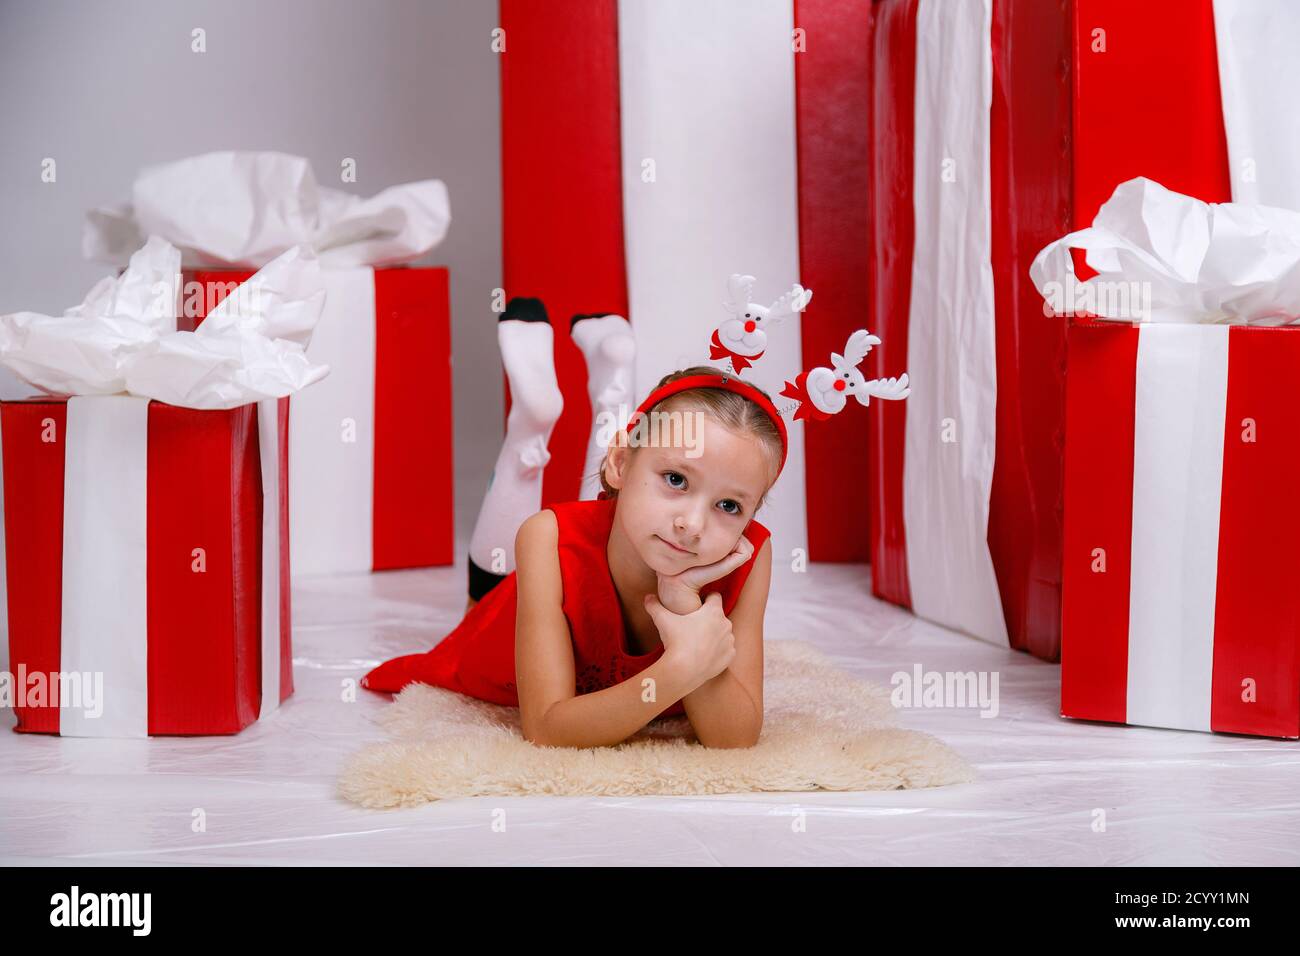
[{"x": 720, "y": 380}]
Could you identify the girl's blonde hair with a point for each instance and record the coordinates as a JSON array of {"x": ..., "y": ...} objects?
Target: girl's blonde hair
[{"x": 727, "y": 408}]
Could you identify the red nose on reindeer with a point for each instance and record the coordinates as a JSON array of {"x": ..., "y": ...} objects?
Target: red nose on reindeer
[
  {"x": 750, "y": 326},
  {"x": 840, "y": 385}
]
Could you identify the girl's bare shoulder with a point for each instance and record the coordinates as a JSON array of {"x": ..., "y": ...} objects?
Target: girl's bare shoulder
[
  {"x": 537, "y": 560},
  {"x": 538, "y": 531}
]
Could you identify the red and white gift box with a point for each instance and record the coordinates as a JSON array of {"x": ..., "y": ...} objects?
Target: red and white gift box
[
  {"x": 1180, "y": 604},
  {"x": 148, "y": 544},
  {"x": 371, "y": 447}
]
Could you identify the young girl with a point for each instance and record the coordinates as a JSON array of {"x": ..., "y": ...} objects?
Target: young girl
[{"x": 647, "y": 601}]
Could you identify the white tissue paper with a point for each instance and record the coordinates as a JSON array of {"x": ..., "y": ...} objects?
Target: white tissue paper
[
  {"x": 242, "y": 209},
  {"x": 123, "y": 337},
  {"x": 1177, "y": 259}
]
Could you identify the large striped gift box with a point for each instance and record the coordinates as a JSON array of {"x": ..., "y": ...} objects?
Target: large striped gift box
[
  {"x": 690, "y": 141},
  {"x": 1180, "y": 605},
  {"x": 998, "y": 125}
]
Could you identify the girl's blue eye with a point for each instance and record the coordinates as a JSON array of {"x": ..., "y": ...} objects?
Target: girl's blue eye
[{"x": 670, "y": 475}]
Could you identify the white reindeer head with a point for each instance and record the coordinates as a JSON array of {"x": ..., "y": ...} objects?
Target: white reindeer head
[
  {"x": 746, "y": 332},
  {"x": 829, "y": 388}
]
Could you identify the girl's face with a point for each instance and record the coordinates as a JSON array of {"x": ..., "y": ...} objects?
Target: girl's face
[{"x": 684, "y": 504}]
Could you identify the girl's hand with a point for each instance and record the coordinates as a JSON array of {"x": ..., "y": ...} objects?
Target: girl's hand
[
  {"x": 680, "y": 593},
  {"x": 701, "y": 643}
]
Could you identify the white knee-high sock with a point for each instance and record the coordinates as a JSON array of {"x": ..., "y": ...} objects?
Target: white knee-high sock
[
  {"x": 609, "y": 347},
  {"x": 514, "y": 490}
]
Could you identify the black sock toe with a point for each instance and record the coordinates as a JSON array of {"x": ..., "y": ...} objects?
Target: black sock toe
[
  {"x": 482, "y": 581},
  {"x": 525, "y": 310}
]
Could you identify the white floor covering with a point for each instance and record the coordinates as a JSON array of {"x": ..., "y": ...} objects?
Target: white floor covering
[{"x": 1047, "y": 784}]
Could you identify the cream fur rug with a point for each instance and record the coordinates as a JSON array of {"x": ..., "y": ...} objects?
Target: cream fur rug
[{"x": 822, "y": 730}]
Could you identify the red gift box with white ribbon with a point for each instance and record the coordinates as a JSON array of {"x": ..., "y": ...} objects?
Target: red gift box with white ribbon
[
  {"x": 149, "y": 561},
  {"x": 1180, "y": 606},
  {"x": 371, "y": 448},
  {"x": 146, "y": 501},
  {"x": 372, "y": 476}
]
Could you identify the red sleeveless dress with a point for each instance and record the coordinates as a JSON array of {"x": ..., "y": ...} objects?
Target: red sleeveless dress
[{"x": 478, "y": 657}]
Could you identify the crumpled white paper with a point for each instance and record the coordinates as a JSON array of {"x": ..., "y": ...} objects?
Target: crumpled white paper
[
  {"x": 1165, "y": 257},
  {"x": 242, "y": 209},
  {"x": 123, "y": 336}
]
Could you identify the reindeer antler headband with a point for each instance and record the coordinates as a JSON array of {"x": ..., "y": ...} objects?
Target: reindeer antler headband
[{"x": 817, "y": 393}]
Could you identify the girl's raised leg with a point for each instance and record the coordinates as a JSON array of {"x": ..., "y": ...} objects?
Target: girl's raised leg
[
  {"x": 606, "y": 342},
  {"x": 514, "y": 490}
]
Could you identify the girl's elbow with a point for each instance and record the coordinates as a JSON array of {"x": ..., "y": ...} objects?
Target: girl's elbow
[
  {"x": 537, "y": 740},
  {"x": 533, "y": 728}
]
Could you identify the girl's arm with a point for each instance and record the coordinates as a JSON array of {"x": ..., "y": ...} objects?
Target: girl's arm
[
  {"x": 727, "y": 711},
  {"x": 550, "y": 713}
]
